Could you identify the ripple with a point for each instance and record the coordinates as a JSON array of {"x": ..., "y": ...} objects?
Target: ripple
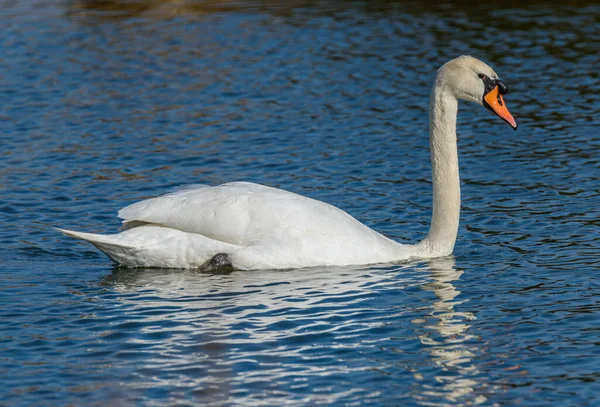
[{"x": 110, "y": 102}]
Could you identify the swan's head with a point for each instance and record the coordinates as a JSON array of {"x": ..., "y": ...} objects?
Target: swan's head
[{"x": 470, "y": 79}]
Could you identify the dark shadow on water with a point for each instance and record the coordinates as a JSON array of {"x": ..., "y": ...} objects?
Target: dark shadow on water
[
  {"x": 121, "y": 9},
  {"x": 133, "y": 276}
]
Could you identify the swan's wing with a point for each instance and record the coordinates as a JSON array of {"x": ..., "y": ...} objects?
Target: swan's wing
[
  {"x": 134, "y": 223},
  {"x": 241, "y": 213}
]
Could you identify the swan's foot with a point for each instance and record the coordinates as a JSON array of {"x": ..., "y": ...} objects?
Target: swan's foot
[{"x": 219, "y": 262}]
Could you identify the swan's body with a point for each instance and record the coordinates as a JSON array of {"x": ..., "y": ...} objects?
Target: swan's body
[
  {"x": 255, "y": 225},
  {"x": 261, "y": 227}
]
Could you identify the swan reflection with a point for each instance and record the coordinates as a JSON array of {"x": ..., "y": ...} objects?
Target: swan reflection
[
  {"x": 445, "y": 336},
  {"x": 268, "y": 330}
]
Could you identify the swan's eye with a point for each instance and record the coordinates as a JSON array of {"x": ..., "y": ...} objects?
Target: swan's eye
[{"x": 481, "y": 76}]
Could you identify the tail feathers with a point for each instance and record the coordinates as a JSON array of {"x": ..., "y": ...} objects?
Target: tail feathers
[
  {"x": 116, "y": 251},
  {"x": 92, "y": 237},
  {"x": 155, "y": 246}
]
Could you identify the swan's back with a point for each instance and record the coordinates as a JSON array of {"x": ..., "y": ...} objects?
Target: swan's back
[{"x": 243, "y": 213}]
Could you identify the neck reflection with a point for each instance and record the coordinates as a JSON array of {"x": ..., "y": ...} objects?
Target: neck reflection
[{"x": 445, "y": 334}]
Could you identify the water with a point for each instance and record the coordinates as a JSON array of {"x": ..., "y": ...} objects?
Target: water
[{"x": 103, "y": 104}]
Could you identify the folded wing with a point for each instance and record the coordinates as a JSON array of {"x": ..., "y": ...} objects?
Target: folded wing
[{"x": 239, "y": 213}]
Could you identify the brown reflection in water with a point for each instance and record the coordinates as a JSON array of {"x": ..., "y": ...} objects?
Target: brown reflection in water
[{"x": 168, "y": 8}]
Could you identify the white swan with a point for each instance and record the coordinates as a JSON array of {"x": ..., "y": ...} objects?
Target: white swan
[{"x": 249, "y": 226}]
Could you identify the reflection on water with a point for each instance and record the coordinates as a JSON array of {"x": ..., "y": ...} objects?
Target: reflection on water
[
  {"x": 262, "y": 327},
  {"x": 126, "y": 9},
  {"x": 458, "y": 375}
]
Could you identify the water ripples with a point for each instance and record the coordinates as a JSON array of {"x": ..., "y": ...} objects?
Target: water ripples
[{"x": 109, "y": 102}]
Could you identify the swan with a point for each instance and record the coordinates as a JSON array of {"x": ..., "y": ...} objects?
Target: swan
[{"x": 246, "y": 226}]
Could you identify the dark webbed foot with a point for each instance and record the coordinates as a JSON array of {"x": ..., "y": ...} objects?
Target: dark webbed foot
[{"x": 219, "y": 262}]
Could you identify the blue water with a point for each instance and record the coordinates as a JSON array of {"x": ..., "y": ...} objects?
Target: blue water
[{"x": 105, "y": 103}]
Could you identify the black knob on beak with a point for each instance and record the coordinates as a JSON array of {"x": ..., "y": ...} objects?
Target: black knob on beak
[{"x": 502, "y": 88}]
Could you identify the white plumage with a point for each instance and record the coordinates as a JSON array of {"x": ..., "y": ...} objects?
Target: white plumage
[
  {"x": 261, "y": 227},
  {"x": 255, "y": 225}
]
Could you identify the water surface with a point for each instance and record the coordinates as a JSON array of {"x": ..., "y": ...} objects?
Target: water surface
[{"x": 106, "y": 103}]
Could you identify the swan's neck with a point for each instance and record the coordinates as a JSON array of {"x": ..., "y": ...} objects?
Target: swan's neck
[{"x": 443, "y": 109}]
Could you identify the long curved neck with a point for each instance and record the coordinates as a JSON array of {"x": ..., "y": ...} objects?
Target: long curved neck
[{"x": 443, "y": 109}]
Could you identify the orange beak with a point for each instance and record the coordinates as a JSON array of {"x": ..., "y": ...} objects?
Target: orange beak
[{"x": 494, "y": 101}]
